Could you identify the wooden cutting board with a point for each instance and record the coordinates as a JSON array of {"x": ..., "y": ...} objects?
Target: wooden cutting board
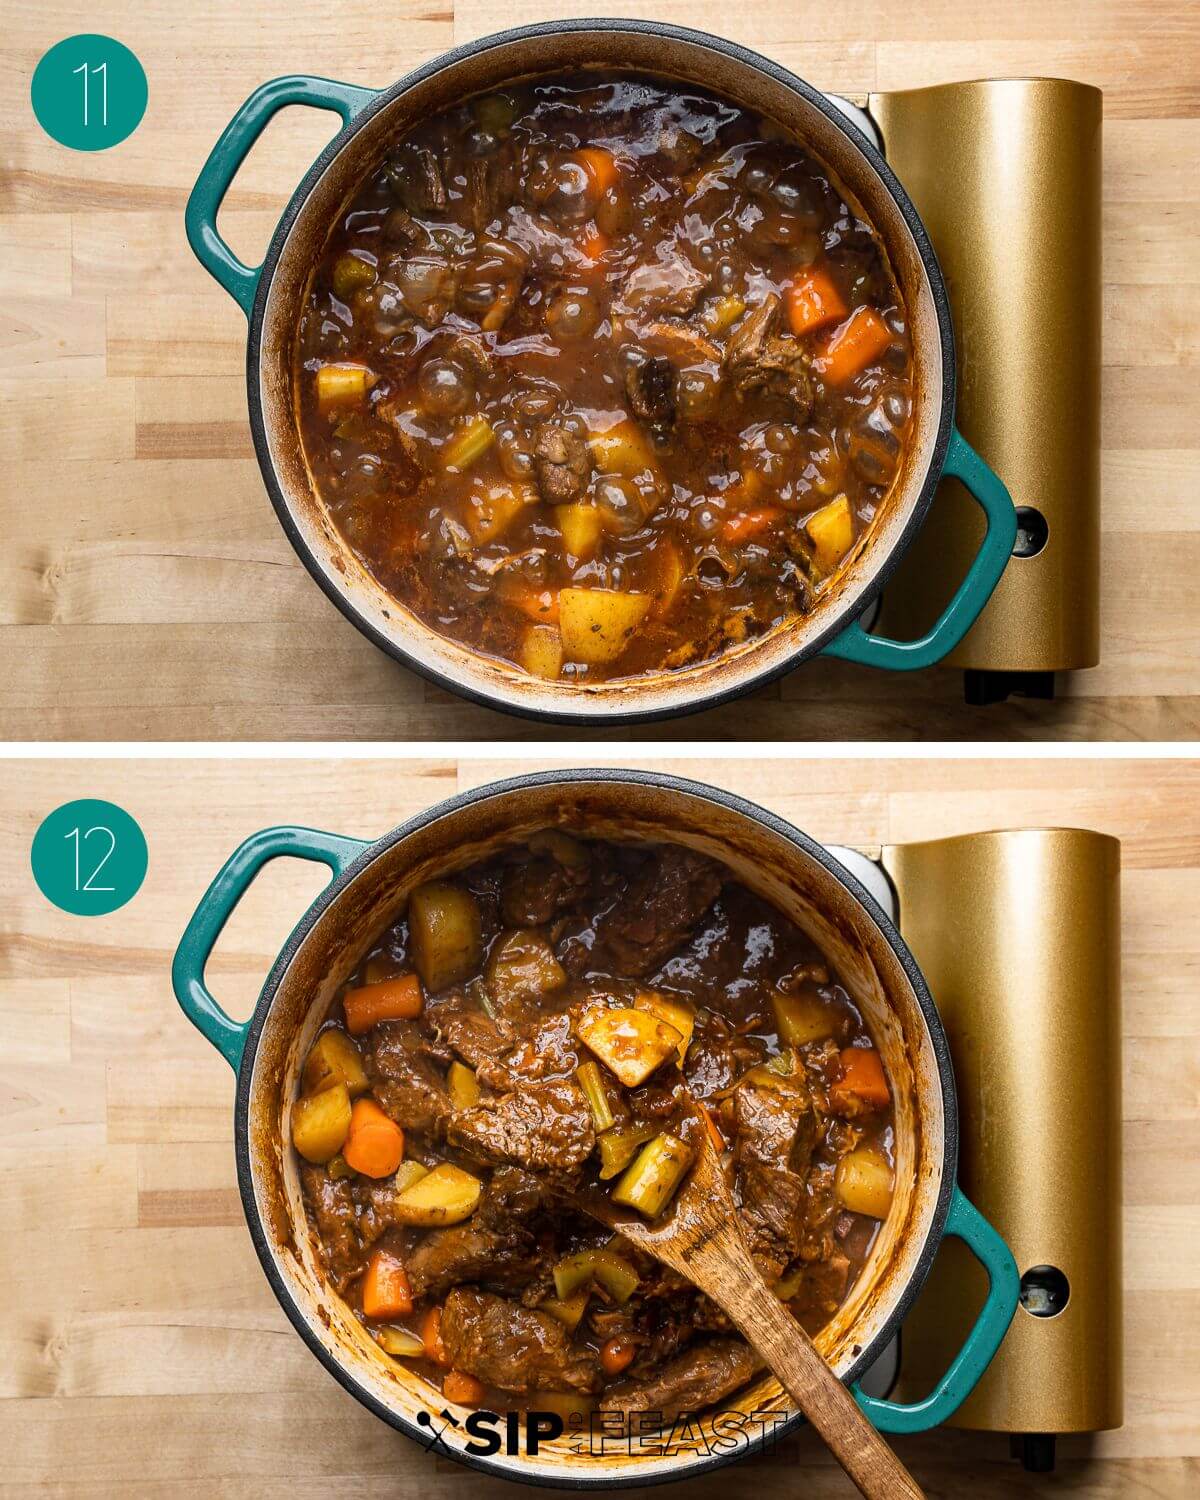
[
  {"x": 146, "y": 590},
  {"x": 142, "y": 1354}
]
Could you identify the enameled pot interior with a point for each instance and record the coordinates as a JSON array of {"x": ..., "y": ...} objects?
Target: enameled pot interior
[
  {"x": 765, "y": 860},
  {"x": 689, "y": 58}
]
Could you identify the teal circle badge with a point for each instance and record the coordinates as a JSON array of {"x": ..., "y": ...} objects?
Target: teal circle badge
[
  {"x": 89, "y": 92},
  {"x": 89, "y": 857}
]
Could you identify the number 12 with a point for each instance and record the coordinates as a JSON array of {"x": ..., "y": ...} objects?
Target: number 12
[
  {"x": 102, "y": 71},
  {"x": 104, "y": 858}
]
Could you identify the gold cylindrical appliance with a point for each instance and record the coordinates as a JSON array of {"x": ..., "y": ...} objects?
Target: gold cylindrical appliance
[
  {"x": 1005, "y": 174},
  {"x": 1018, "y": 935}
]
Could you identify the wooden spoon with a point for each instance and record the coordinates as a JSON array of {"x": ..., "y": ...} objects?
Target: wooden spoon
[{"x": 700, "y": 1238}]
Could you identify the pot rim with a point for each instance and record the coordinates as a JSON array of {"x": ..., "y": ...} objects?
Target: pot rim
[
  {"x": 509, "y": 1467},
  {"x": 839, "y": 619}
]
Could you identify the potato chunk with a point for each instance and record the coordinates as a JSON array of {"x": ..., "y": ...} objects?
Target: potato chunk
[
  {"x": 446, "y": 931},
  {"x": 674, "y": 1013},
  {"x": 864, "y": 1183},
  {"x": 542, "y": 652},
  {"x": 447, "y": 1195},
  {"x": 492, "y": 507},
  {"x": 623, "y": 449},
  {"x": 334, "y": 1059},
  {"x": 462, "y": 1084},
  {"x": 321, "y": 1123},
  {"x": 580, "y": 526},
  {"x": 523, "y": 964},
  {"x": 832, "y": 532},
  {"x": 630, "y": 1043},
  {"x": 597, "y": 624},
  {"x": 802, "y": 1017}
]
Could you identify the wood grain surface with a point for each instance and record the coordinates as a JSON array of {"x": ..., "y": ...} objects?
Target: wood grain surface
[
  {"x": 146, "y": 590},
  {"x": 142, "y": 1354}
]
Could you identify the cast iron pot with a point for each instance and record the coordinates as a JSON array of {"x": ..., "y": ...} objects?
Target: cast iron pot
[
  {"x": 369, "y": 890},
  {"x": 273, "y": 295}
]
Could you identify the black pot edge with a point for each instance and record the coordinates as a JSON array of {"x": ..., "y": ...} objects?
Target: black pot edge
[
  {"x": 720, "y": 696},
  {"x": 727, "y": 800}
]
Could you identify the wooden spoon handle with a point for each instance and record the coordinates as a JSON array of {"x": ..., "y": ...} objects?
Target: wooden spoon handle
[{"x": 817, "y": 1391}]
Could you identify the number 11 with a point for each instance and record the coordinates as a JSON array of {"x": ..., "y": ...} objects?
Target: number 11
[{"x": 102, "y": 70}]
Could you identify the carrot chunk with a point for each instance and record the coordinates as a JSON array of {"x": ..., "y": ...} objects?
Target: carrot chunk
[
  {"x": 462, "y": 1388},
  {"x": 751, "y": 523},
  {"x": 616, "y": 1355},
  {"x": 431, "y": 1337},
  {"x": 593, "y": 242},
  {"x": 386, "y": 1292},
  {"x": 389, "y": 1000},
  {"x": 538, "y": 605},
  {"x": 375, "y": 1145},
  {"x": 714, "y": 1130},
  {"x": 812, "y": 301},
  {"x": 600, "y": 165},
  {"x": 852, "y": 346},
  {"x": 862, "y": 1084}
]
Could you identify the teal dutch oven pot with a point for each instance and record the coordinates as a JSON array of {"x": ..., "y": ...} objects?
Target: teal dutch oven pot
[
  {"x": 273, "y": 294},
  {"x": 368, "y": 891}
]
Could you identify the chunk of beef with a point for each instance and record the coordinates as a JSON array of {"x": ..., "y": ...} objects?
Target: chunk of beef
[
  {"x": 481, "y": 193},
  {"x": 692, "y": 1381},
  {"x": 670, "y": 284},
  {"x": 545, "y": 1126},
  {"x": 549, "y": 1049},
  {"x": 821, "y": 1212},
  {"x": 513, "y": 1195},
  {"x": 468, "y": 1252},
  {"x": 562, "y": 463},
  {"x": 775, "y": 1125},
  {"x": 404, "y": 1079},
  {"x": 677, "y": 146},
  {"x": 400, "y": 229},
  {"x": 536, "y": 890},
  {"x": 375, "y": 1200},
  {"x": 650, "y": 387},
  {"x": 758, "y": 362},
  {"x": 773, "y": 1204},
  {"x": 512, "y": 1347},
  {"x": 820, "y": 1290},
  {"x": 775, "y": 1129},
  {"x": 494, "y": 1247},
  {"x": 467, "y": 1029},
  {"x": 332, "y": 1205},
  {"x": 659, "y": 908},
  {"x": 719, "y": 1056},
  {"x": 425, "y": 188},
  {"x": 679, "y": 341}
]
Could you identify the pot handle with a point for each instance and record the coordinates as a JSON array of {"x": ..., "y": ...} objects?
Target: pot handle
[
  {"x": 241, "y": 282},
  {"x": 968, "y": 1224},
  {"x": 216, "y": 906},
  {"x": 987, "y": 489}
]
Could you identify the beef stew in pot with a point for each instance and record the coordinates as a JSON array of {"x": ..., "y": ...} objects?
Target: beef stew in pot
[
  {"x": 603, "y": 375},
  {"x": 571, "y": 1014}
]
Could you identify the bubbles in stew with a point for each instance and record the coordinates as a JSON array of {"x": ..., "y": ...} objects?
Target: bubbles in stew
[
  {"x": 550, "y": 1020},
  {"x": 603, "y": 375}
]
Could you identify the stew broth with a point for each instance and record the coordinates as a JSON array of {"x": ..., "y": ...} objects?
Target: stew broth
[
  {"x": 551, "y": 1019},
  {"x": 602, "y": 375}
]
